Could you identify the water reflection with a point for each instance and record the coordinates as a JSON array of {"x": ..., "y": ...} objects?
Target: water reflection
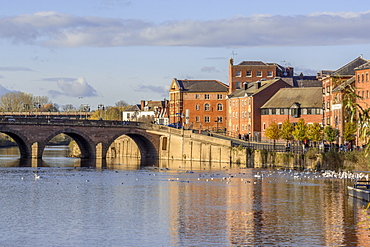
[{"x": 121, "y": 203}]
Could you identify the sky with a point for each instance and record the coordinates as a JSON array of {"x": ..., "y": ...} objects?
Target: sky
[{"x": 104, "y": 51}]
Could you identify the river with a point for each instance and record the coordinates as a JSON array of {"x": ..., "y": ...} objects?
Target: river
[{"x": 125, "y": 205}]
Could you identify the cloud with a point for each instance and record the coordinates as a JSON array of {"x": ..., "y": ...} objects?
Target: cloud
[
  {"x": 209, "y": 69},
  {"x": 63, "y": 30},
  {"x": 76, "y": 88},
  {"x": 15, "y": 69},
  {"x": 149, "y": 88},
  {"x": 56, "y": 79},
  {"x": 4, "y": 90}
]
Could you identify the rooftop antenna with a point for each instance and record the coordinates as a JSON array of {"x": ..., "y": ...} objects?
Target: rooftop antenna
[{"x": 233, "y": 54}]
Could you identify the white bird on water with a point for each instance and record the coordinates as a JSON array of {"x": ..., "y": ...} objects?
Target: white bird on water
[{"x": 36, "y": 176}]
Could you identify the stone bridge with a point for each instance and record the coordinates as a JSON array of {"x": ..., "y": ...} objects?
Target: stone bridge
[{"x": 94, "y": 137}]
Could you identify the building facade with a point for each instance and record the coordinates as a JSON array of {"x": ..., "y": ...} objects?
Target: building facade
[
  {"x": 333, "y": 91},
  {"x": 292, "y": 104},
  {"x": 198, "y": 104},
  {"x": 251, "y": 71},
  {"x": 362, "y": 89},
  {"x": 244, "y": 114}
]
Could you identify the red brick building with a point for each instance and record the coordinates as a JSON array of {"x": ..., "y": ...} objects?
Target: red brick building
[
  {"x": 251, "y": 71},
  {"x": 292, "y": 104},
  {"x": 198, "y": 104},
  {"x": 334, "y": 84},
  {"x": 362, "y": 87},
  {"x": 244, "y": 115}
]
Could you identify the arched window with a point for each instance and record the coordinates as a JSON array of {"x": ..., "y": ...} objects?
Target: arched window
[
  {"x": 219, "y": 107},
  {"x": 206, "y": 107}
]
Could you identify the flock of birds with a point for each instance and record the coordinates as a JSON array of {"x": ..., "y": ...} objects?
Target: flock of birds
[{"x": 251, "y": 176}]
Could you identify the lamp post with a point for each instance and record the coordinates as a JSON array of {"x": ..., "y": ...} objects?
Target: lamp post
[
  {"x": 101, "y": 108},
  {"x": 217, "y": 121}
]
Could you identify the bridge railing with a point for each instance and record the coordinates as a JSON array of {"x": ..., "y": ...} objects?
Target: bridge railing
[{"x": 66, "y": 121}]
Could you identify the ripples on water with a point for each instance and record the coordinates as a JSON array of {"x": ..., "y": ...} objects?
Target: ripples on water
[{"x": 131, "y": 206}]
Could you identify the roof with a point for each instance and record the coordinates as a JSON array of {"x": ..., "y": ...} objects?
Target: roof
[
  {"x": 363, "y": 66},
  {"x": 133, "y": 108},
  {"x": 202, "y": 86},
  {"x": 307, "y": 97},
  {"x": 260, "y": 63},
  {"x": 349, "y": 68},
  {"x": 252, "y": 88},
  {"x": 344, "y": 84}
]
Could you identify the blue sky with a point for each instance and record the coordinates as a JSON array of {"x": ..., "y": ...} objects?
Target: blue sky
[{"x": 103, "y": 51}]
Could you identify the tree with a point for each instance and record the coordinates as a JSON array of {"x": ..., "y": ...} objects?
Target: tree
[
  {"x": 300, "y": 130},
  {"x": 330, "y": 133},
  {"x": 121, "y": 103},
  {"x": 68, "y": 107},
  {"x": 314, "y": 132},
  {"x": 16, "y": 102},
  {"x": 273, "y": 132},
  {"x": 349, "y": 131},
  {"x": 286, "y": 131}
]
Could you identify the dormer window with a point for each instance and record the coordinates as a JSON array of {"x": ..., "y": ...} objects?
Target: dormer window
[{"x": 295, "y": 110}]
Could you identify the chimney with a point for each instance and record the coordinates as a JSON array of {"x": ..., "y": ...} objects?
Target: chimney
[{"x": 257, "y": 84}]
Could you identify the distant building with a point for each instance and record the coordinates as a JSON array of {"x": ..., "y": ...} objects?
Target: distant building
[
  {"x": 251, "y": 71},
  {"x": 198, "y": 104},
  {"x": 148, "y": 111},
  {"x": 132, "y": 113},
  {"x": 292, "y": 104},
  {"x": 244, "y": 114}
]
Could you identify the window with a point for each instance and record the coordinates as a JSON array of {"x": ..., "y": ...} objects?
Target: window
[
  {"x": 128, "y": 115},
  {"x": 264, "y": 111},
  {"x": 238, "y": 73},
  {"x": 206, "y": 119},
  {"x": 219, "y": 107},
  {"x": 264, "y": 126},
  {"x": 282, "y": 111},
  {"x": 237, "y": 85},
  {"x": 363, "y": 78},
  {"x": 197, "y": 96},
  {"x": 206, "y": 107},
  {"x": 206, "y": 96},
  {"x": 219, "y": 96},
  {"x": 323, "y": 90},
  {"x": 358, "y": 78},
  {"x": 273, "y": 111},
  {"x": 259, "y": 73},
  {"x": 269, "y": 74},
  {"x": 248, "y": 73},
  {"x": 367, "y": 77},
  {"x": 196, "y": 119},
  {"x": 219, "y": 119},
  {"x": 197, "y": 107}
]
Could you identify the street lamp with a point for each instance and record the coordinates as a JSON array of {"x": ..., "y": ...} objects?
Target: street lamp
[
  {"x": 101, "y": 108},
  {"x": 217, "y": 121}
]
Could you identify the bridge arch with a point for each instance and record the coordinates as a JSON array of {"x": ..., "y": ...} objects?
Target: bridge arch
[
  {"x": 24, "y": 145},
  {"x": 86, "y": 145},
  {"x": 145, "y": 142}
]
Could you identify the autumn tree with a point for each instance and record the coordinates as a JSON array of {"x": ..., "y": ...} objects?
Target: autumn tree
[
  {"x": 273, "y": 132},
  {"x": 300, "y": 130},
  {"x": 349, "y": 131},
  {"x": 286, "y": 131},
  {"x": 16, "y": 102},
  {"x": 314, "y": 132},
  {"x": 330, "y": 133}
]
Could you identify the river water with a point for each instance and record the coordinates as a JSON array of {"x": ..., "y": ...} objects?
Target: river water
[{"x": 125, "y": 205}]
